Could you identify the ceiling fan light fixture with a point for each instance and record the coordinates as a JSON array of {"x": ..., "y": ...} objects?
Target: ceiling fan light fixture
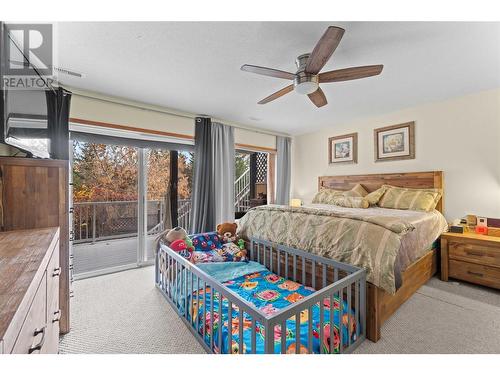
[
  {"x": 306, "y": 88},
  {"x": 305, "y": 84}
]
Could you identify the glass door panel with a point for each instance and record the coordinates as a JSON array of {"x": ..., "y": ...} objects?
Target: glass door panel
[
  {"x": 105, "y": 207},
  {"x": 185, "y": 165},
  {"x": 157, "y": 187}
]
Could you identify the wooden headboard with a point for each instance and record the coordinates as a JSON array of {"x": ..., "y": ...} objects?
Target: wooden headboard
[{"x": 371, "y": 182}]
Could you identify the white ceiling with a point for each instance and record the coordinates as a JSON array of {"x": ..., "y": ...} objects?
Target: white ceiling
[{"x": 195, "y": 66}]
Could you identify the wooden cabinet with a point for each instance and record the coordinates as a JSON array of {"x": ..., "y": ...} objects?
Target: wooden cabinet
[
  {"x": 471, "y": 257},
  {"x": 29, "y": 291},
  {"x": 34, "y": 194}
]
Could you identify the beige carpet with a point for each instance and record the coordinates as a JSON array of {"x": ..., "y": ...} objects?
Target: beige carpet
[{"x": 124, "y": 313}]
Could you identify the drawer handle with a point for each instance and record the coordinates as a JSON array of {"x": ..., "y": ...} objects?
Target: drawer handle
[
  {"x": 479, "y": 274},
  {"x": 474, "y": 253},
  {"x": 58, "y": 313},
  {"x": 34, "y": 348},
  {"x": 57, "y": 272}
]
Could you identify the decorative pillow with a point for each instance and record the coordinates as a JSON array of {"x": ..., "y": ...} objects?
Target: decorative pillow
[
  {"x": 410, "y": 199},
  {"x": 353, "y": 202},
  {"x": 206, "y": 241},
  {"x": 356, "y": 191},
  {"x": 325, "y": 196},
  {"x": 375, "y": 196}
]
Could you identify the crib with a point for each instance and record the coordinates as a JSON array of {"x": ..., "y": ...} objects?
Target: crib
[{"x": 226, "y": 321}]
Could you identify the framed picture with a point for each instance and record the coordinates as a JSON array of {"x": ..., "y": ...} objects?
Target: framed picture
[
  {"x": 343, "y": 149},
  {"x": 395, "y": 142}
]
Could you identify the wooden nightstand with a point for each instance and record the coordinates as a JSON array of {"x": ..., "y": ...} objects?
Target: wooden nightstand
[{"x": 471, "y": 257}]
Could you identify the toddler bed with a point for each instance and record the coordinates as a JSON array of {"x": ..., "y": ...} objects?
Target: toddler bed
[{"x": 269, "y": 304}]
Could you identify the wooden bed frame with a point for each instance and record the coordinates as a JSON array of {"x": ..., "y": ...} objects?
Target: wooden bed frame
[{"x": 381, "y": 305}]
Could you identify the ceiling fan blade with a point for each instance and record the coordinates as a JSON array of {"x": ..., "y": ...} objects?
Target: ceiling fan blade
[
  {"x": 318, "y": 98},
  {"x": 350, "y": 73},
  {"x": 277, "y": 94},
  {"x": 324, "y": 49},
  {"x": 267, "y": 71}
]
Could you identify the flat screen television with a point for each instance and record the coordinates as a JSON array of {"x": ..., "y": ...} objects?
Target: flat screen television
[{"x": 23, "y": 112}]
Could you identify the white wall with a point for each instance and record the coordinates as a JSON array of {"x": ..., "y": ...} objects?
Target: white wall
[{"x": 460, "y": 137}]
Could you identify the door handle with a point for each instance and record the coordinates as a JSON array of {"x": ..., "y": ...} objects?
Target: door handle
[
  {"x": 57, "y": 272},
  {"x": 34, "y": 348},
  {"x": 58, "y": 313}
]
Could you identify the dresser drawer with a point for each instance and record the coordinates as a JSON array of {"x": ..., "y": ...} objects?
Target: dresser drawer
[
  {"x": 33, "y": 332},
  {"x": 475, "y": 273},
  {"x": 474, "y": 253}
]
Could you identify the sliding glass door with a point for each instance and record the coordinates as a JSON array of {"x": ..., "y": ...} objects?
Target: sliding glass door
[{"x": 123, "y": 197}]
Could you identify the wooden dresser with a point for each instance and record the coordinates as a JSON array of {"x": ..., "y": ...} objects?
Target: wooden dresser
[
  {"x": 34, "y": 194},
  {"x": 29, "y": 291},
  {"x": 471, "y": 257}
]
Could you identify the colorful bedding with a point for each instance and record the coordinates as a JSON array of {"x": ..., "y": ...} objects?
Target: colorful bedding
[{"x": 269, "y": 293}]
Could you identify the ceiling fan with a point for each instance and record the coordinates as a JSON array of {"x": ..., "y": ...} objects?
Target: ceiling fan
[{"x": 308, "y": 77}]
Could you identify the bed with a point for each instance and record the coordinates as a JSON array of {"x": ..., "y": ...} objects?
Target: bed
[
  {"x": 395, "y": 247},
  {"x": 268, "y": 304}
]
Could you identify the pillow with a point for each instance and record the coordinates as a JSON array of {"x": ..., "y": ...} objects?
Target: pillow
[
  {"x": 375, "y": 196},
  {"x": 410, "y": 199},
  {"x": 352, "y": 202},
  {"x": 326, "y": 195},
  {"x": 356, "y": 191},
  {"x": 206, "y": 241}
]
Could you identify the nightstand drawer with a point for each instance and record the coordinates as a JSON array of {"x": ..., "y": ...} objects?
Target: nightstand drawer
[
  {"x": 475, "y": 273},
  {"x": 474, "y": 253}
]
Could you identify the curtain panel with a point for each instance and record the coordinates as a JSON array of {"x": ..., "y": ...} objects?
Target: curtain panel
[
  {"x": 223, "y": 171},
  {"x": 58, "y": 105},
  {"x": 213, "y": 185},
  {"x": 283, "y": 169},
  {"x": 203, "y": 198}
]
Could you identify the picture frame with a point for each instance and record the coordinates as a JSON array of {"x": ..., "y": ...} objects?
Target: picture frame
[
  {"x": 343, "y": 149},
  {"x": 395, "y": 142}
]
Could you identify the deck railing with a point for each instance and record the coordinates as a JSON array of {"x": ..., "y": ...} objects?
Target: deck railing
[{"x": 100, "y": 221}]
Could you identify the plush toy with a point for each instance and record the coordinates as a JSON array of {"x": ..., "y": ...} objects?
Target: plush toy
[
  {"x": 177, "y": 233},
  {"x": 227, "y": 231},
  {"x": 181, "y": 247},
  {"x": 241, "y": 244}
]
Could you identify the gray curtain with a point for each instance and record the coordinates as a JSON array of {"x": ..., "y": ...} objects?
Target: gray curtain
[
  {"x": 223, "y": 171},
  {"x": 283, "y": 169},
  {"x": 203, "y": 199},
  {"x": 58, "y": 104}
]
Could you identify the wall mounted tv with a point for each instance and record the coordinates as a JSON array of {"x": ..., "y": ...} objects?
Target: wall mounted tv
[{"x": 23, "y": 112}]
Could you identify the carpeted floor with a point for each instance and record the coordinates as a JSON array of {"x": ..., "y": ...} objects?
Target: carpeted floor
[{"x": 124, "y": 313}]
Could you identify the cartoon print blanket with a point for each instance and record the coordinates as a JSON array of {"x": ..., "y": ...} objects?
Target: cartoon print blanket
[{"x": 269, "y": 293}]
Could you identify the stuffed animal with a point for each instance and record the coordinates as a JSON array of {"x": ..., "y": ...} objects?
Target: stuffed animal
[
  {"x": 227, "y": 231},
  {"x": 178, "y": 245},
  {"x": 181, "y": 247},
  {"x": 177, "y": 233}
]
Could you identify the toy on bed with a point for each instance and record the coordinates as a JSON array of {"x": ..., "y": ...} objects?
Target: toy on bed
[
  {"x": 219, "y": 246},
  {"x": 178, "y": 240},
  {"x": 233, "y": 247}
]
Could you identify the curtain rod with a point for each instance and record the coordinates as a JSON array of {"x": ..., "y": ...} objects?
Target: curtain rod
[{"x": 173, "y": 113}]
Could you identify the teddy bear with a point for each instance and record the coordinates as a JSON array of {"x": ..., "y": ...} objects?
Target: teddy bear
[{"x": 227, "y": 231}]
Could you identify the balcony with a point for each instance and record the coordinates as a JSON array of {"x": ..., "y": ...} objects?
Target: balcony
[{"x": 104, "y": 221}]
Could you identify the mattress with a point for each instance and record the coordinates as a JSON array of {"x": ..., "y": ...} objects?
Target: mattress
[{"x": 269, "y": 293}]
